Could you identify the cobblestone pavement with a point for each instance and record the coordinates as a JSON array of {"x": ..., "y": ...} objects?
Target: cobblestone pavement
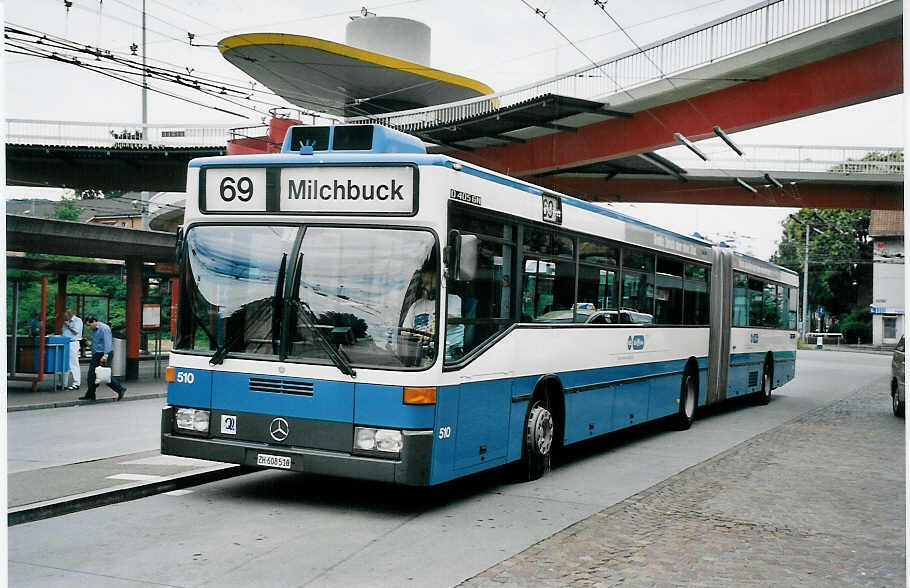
[{"x": 818, "y": 501}]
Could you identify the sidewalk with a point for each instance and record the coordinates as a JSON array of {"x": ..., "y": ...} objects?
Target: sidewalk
[
  {"x": 19, "y": 395},
  {"x": 817, "y": 501},
  {"x": 90, "y": 481}
]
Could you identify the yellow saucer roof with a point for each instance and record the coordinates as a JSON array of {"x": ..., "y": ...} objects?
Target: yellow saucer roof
[{"x": 329, "y": 77}]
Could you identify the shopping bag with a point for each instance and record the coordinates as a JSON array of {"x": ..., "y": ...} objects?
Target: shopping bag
[{"x": 102, "y": 375}]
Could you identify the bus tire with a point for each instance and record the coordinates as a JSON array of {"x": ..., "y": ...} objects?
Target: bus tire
[
  {"x": 767, "y": 383},
  {"x": 688, "y": 400},
  {"x": 538, "y": 441},
  {"x": 897, "y": 407}
]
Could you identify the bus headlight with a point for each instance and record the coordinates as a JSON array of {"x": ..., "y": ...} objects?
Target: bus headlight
[
  {"x": 193, "y": 419},
  {"x": 369, "y": 439}
]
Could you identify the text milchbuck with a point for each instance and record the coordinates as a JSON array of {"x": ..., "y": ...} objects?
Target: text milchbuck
[
  {"x": 349, "y": 190},
  {"x": 341, "y": 190}
]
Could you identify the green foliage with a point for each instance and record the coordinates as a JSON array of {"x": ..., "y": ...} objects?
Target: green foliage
[
  {"x": 840, "y": 257},
  {"x": 67, "y": 211},
  {"x": 856, "y": 326}
]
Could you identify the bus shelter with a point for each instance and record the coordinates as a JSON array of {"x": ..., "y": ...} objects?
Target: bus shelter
[{"x": 135, "y": 254}]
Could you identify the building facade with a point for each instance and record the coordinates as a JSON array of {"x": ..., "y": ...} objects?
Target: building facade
[{"x": 886, "y": 227}]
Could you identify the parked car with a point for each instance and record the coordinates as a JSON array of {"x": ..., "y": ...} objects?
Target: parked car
[{"x": 897, "y": 379}]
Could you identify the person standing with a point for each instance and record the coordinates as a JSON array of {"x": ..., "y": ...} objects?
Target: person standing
[
  {"x": 72, "y": 330},
  {"x": 102, "y": 354}
]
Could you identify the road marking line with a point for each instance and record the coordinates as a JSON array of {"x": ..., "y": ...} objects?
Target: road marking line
[
  {"x": 178, "y": 492},
  {"x": 136, "y": 477},
  {"x": 168, "y": 460}
]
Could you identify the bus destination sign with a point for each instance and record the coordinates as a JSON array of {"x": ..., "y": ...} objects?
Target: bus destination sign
[
  {"x": 384, "y": 190},
  {"x": 235, "y": 189},
  {"x": 347, "y": 190},
  {"x": 552, "y": 209}
]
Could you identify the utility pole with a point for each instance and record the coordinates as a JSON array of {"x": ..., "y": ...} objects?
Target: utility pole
[
  {"x": 144, "y": 196},
  {"x": 806, "y": 288},
  {"x": 804, "y": 330}
]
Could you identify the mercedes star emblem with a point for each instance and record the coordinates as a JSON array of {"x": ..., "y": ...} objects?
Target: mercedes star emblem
[{"x": 279, "y": 429}]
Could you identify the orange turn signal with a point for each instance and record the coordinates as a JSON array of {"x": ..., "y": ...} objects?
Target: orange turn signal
[
  {"x": 170, "y": 373},
  {"x": 420, "y": 395}
]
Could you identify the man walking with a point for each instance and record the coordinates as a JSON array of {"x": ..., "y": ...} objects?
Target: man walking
[
  {"x": 102, "y": 354},
  {"x": 72, "y": 330}
]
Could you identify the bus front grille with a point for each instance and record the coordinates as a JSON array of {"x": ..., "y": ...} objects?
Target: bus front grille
[{"x": 281, "y": 386}]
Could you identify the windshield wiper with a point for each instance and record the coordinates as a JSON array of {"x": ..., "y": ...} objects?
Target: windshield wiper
[
  {"x": 222, "y": 351},
  {"x": 273, "y": 305},
  {"x": 337, "y": 356}
]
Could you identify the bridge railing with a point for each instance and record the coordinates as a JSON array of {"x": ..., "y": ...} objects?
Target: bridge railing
[
  {"x": 847, "y": 160},
  {"x": 732, "y": 34},
  {"x": 115, "y": 134}
]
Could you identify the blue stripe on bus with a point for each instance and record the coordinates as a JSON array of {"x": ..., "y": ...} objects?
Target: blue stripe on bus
[
  {"x": 196, "y": 393},
  {"x": 331, "y": 401},
  {"x": 475, "y": 414},
  {"x": 382, "y": 406}
]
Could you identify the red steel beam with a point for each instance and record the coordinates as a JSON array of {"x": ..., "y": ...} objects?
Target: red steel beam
[
  {"x": 133, "y": 315},
  {"x": 857, "y": 76},
  {"x": 801, "y": 195}
]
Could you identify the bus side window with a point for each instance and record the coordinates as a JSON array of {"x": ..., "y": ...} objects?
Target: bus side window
[
  {"x": 740, "y": 300},
  {"x": 486, "y": 299}
]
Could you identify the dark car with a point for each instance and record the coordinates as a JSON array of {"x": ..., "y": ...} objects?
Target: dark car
[{"x": 897, "y": 379}]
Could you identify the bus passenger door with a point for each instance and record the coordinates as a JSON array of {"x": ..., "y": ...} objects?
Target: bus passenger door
[{"x": 483, "y": 423}]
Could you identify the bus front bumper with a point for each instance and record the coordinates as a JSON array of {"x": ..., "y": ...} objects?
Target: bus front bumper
[{"x": 411, "y": 468}]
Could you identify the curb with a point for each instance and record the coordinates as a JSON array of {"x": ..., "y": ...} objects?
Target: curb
[
  {"x": 105, "y": 497},
  {"x": 65, "y": 403}
]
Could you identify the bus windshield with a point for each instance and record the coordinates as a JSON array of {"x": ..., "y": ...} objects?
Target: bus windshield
[{"x": 368, "y": 295}]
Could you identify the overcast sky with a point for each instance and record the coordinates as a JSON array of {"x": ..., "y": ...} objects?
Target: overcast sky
[{"x": 502, "y": 43}]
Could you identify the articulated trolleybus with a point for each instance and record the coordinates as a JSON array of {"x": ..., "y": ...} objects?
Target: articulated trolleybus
[{"x": 354, "y": 306}]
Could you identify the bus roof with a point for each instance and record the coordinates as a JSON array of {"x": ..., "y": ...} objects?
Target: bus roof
[{"x": 425, "y": 159}]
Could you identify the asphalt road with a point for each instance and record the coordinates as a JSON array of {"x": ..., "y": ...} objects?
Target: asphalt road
[{"x": 275, "y": 528}]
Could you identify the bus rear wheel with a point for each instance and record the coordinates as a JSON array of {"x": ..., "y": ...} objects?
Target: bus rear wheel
[
  {"x": 538, "y": 441},
  {"x": 688, "y": 399},
  {"x": 767, "y": 377}
]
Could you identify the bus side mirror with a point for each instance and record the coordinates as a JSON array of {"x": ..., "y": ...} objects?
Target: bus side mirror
[{"x": 461, "y": 256}]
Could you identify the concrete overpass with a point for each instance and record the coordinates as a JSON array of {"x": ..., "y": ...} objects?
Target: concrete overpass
[
  {"x": 107, "y": 155},
  {"x": 771, "y": 62},
  {"x": 809, "y": 176}
]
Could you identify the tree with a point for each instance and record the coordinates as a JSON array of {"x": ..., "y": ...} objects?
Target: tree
[
  {"x": 840, "y": 262},
  {"x": 67, "y": 211}
]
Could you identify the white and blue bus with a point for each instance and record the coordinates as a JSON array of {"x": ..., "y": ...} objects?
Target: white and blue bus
[{"x": 354, "y": 306}]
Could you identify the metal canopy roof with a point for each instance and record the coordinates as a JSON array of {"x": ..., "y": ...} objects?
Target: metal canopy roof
[
  {"x": 542, "y": 116},
  {"x": 643, "y": 164},
  {"x": 538, "y": 116}
]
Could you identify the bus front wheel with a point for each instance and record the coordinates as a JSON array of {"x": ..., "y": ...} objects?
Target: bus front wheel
[{"x": 538, "y": 441}]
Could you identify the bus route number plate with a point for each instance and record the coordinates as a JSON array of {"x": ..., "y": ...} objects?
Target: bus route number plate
[
  {"x": 552, "y": 209},
  {"x": 273, "y": 461}
]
